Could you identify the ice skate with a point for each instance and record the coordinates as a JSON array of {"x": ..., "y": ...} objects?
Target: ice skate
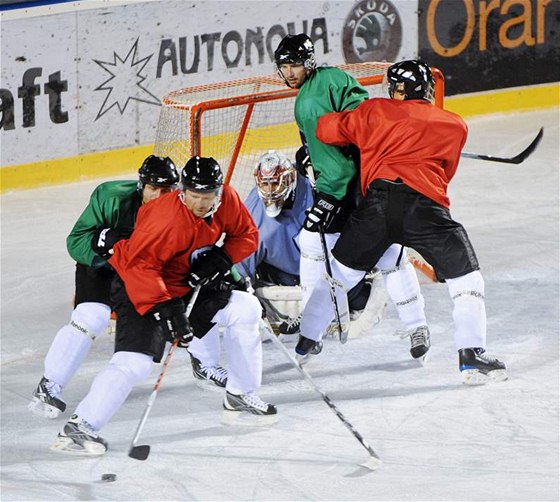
[
  {"x": 248, "y": 409},
  {"x": 211, "y": 378},
  {"x": 46, "y": 400},
  {"x": 79, "y": 438},
  {"x": 419, "y": 342},
  {"x": 477, "y": 368},
  {"x": 306, "y": 348},
  {"x": 290, "y": 327}
]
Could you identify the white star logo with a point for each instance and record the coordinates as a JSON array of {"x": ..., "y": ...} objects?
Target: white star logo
[{"x": 125, "y": 82}]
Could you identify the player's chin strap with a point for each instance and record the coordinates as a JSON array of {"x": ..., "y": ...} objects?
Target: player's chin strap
[{"x": 211, "y": 211}]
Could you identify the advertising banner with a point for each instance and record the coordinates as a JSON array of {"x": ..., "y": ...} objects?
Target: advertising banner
[
  {"x": 491, "y": 44},
  {"x": 92, "y": 80}
]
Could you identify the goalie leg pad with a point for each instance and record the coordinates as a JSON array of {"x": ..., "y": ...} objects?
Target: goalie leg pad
[{"x": 284, "y": 299}]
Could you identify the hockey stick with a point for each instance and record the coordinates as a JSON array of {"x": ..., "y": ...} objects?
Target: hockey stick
[
  {"x": 141, "y": 452},
  {"x": 517, "y": 159},
  {"x": 374, "y": 461},
  {"x": 342, "y": 335}
]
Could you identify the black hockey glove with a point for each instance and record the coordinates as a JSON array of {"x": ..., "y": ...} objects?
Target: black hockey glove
[
  {"x": 172, "y": 319},
  {"x": 231, "y": 282},
  {"x": 105, "y": 238},
  {"x": 321, "y": 214},
  {"x": 209, "y": 266}
]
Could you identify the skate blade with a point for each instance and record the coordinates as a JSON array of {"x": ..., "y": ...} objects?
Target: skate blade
[
  {"x": 301, "y": 360},
  {"x": 423, "y": 360},
  {"x": 246, "y": 419},
  {"x": 475, "y": 377},
  {"x": 372, "y": 464},
  {"x": 208, "y": 385},
  {"x": 67, "y": 446},
  {"x": 41, "y": 409}
]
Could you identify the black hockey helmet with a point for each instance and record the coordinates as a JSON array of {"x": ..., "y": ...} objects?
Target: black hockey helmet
[
  {"x": 296, "y": 49},
  {"x": 416, "y": 79},
  {"x": 157, "y": 171},
  {"x": 202, "y": 174}
]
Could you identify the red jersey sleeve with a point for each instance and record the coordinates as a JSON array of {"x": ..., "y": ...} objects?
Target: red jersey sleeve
[{"x": 336, "y": 128}]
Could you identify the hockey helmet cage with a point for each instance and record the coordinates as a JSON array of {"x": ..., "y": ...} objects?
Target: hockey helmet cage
[
  {"x": 414, "y": 77},
  {"x": 202, "y": 174},
  {"x": 296, "y": 49},
  {"x": 157, "y": 171},
  {"x": 276, "y": 180}
]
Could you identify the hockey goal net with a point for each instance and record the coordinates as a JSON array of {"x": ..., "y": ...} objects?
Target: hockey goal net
[{"x": 236, "y": 122}]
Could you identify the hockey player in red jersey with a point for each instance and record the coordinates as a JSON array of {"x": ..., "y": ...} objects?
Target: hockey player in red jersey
[
  {"x": 174, "y": 248},
  {"x": 108, "y": 217},
  {"x": 409, "y": 152}
]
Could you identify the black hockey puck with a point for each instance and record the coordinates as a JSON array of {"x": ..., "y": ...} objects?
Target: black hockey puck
[{"x": 108, "y": 477}]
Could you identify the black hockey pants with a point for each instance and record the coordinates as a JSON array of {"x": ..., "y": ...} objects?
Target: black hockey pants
[{"x": 392, "y": 212}]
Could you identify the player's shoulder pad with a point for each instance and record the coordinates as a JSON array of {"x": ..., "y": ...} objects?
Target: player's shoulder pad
[{"x": 116, "y": 188}]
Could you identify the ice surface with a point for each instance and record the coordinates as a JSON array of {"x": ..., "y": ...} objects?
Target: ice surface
[{"x": 438, "y": 439}]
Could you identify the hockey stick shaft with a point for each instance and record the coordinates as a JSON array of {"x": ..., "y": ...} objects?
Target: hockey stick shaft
[
  {"x": 325, "y": 398},
  {"x": 142, "y": 452},
  {"x": 341, "y": 334},
  {"x": 517, "y": 159}
]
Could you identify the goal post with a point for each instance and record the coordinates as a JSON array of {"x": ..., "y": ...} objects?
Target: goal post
[{"x": 237, "y": 121}]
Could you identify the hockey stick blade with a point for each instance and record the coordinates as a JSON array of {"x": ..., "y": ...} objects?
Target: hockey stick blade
[
  {"x": 520, "y": 157},
  {"x": 374, "y": 461},
  {"x": 139, "y": 452},
  {"x": 142, "y": 452}
]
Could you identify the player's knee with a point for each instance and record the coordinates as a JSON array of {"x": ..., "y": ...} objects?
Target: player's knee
[
  {"x": 136, "y": 367},
  {"x": 470, "y": 285},
  {"x": 390, "y": 261},
  {"x": 247, "y": 308},
  {"x": 90, "y": 318}
]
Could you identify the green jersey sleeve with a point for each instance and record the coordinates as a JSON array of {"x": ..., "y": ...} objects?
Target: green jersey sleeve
[
  {"x": 113, "y": 204},
  {"x": 328, "y": 90}
]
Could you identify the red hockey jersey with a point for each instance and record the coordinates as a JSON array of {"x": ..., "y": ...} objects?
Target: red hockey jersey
[
  {"x": 412, "y": 140},
  {"x": 155, "y": 261}
]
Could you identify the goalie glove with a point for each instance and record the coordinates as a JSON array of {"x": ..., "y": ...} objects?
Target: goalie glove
[
  {"x": 209, "y": 266},
  {"x": 105, "y": 238},
  {"x": 321, "y": 214},
  {"x": 171, "y": 317}
]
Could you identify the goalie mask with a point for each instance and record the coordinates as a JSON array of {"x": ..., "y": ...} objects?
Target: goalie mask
[
  {"x": 276, "y": 180},
  {"x": 295, "y": 49},
  {"x": 202, "y": 175},
  {"x": 157, "y": 171},
  {"x": 413, "y": 78}
]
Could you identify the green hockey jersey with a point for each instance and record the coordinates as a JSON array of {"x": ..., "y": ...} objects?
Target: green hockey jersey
[
  {"x": 113, "y": 204},
  {"x": 328, "y": 89}
]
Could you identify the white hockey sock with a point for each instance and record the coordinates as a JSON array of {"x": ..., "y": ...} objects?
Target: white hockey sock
[
  {"x": 73, "y": 341},
  {"x": 403, "y": 287},
  {"x": 242, "y": 342},
  {"x": 469, "y": 310},
  {"x": 319, "y": 311},
  {"x": 111, "y": 387},
  {"x": 207, "y": 348},
  {"x": 312, "y": 261}
]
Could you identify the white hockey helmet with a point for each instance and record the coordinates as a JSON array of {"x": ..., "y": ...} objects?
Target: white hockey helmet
[{"x": 276, "y": 179}]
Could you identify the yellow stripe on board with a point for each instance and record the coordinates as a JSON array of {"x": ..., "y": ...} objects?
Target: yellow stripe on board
[
  {"x": 519, "y": 99},
  {"x": 128, "y": 160},
  {"x": 72, "y": 169}
]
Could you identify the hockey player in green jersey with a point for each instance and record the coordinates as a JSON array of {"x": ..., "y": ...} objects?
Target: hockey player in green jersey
[
  {"x": 109, "y": 217},
  {"x": 323, "y": 90}
]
